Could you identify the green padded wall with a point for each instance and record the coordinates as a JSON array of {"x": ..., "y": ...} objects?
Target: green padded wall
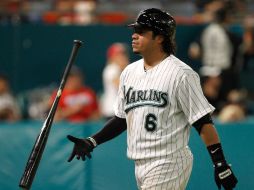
[{"x": 109, "y": 169}]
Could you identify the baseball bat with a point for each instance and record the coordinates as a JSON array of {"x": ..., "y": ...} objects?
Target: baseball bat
[{"x": 40, "y": 143}]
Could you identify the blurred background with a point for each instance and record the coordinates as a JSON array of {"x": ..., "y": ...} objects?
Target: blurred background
[{"x": 216, "y": 38}]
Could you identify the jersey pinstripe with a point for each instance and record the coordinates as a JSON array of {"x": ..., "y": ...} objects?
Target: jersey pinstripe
[{"x": 159, "y": 106}]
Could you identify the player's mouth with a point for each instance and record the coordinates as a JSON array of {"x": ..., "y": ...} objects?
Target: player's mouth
[{"x": 134, "y": 44}]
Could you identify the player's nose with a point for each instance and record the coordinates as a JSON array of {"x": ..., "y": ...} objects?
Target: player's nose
[{"x": 134, "y": 36}]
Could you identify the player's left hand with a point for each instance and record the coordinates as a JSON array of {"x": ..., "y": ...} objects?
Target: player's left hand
[{"x": 224, "y": 176}]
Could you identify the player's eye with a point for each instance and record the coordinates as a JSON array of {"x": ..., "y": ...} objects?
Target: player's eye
[{"x": 139, "y": 30}]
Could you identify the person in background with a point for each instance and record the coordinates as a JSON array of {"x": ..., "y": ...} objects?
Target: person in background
[
  {"x": 78, "y": 102},
  {"x": 248, "y": 44},
  {"x": 236, "y": 108},
  {"x": 9, "y": 109},
  {"x": 218, "y": 50},
  {"x": 117, "y": 60},
  {"x": 211, "y": 84},
  {"x": 206, "y": 10}
]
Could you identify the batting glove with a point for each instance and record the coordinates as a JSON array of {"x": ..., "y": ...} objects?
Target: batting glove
[
  {"x": 224, "y": 176},
  {"x": 82, "y": 148},
  {"x": 223, "y": 173}
]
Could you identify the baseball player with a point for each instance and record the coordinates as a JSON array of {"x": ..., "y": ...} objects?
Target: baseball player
[{"x": 159, "y": 99}]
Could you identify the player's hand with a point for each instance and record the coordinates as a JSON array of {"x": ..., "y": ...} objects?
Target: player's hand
[
  {"x": 82, "y": 148},
  {"x": 224, "y": 176}
]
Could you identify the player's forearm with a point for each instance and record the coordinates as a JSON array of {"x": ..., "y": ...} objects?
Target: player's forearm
[
  {"x": 209, "y": 135},
  {"x": 112, "y": 129}
]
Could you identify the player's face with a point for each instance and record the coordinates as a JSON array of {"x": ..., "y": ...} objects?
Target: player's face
[{"x": 142, "y": 41}]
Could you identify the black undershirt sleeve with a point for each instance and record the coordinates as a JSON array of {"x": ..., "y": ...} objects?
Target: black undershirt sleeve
[
  {"x": 111, "y": 129},
  {"x": 207, "y": 119}
]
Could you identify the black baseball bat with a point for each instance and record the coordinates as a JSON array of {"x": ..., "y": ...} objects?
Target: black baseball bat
[{"x": 40, "y": 143}]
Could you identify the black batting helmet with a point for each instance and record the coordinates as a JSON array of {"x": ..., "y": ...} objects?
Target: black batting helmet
[
  {"x": 156, "y": 20},
  {"x": 160, "y": 22}
]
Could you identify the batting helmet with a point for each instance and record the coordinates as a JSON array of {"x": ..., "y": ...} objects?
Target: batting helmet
[{"x": 156, "y": 20}]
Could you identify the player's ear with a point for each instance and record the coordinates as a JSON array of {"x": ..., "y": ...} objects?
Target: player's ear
[{"x": 159, "y": 39}]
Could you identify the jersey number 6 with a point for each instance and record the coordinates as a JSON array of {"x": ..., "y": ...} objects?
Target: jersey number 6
[{"x": 150, "y": 122}]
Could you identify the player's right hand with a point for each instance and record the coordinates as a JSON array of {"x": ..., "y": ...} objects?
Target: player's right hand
[{"x": 82, "y": 148}]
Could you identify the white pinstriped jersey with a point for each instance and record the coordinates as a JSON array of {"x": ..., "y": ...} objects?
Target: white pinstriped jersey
[{"x": 160, "y": 105}]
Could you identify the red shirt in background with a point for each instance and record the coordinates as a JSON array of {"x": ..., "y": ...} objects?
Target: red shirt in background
[{"x": 84, "y": 96}]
